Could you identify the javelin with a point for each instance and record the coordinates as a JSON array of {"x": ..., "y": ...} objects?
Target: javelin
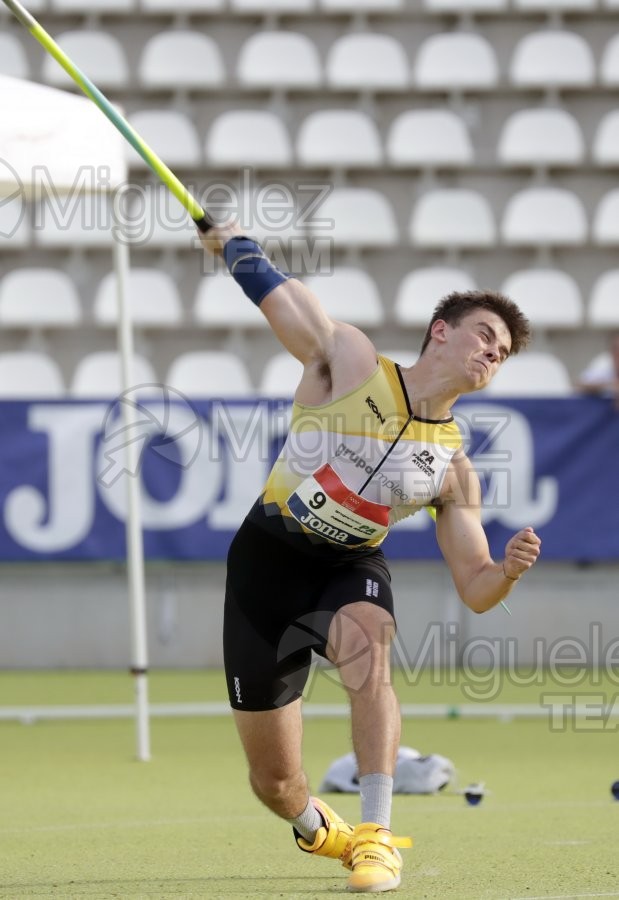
[{"x": 93, "y": 93}]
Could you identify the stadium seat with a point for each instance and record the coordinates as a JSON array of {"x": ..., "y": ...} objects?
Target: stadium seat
[
  {"x": 550, "y": 298},
  {"x": 155, "y": 218},
  {"x": 429, "y": 137},
  {"x": 170, "y": 133},
  {"x": 274, "y": 59},
  {"x": 28, "y": 374},
  {"x": 280, "y": 376},
  {"x": 465, "y": 6},
  {"x": 541, "y": 137},
  {"x": 13, "y": 59},
  {"x": 603, "y": 309},
  {"x": 152, "y": 297},
  {"x": 267, "y": 212},
  {"x": 609, "y": 64},
  {"x": 67, "y": 7},
  {"x": 181, "y": 59},
  {"x": 358, "y": 216},
  {"x": 348, "y": 294},
  {"x": 421, "y": 290},
  {"x": 34, "y": 6},
  {"x": 174, "y": 7},
  {"x": 97, "y": 53},
  {"x": 347, "y": 66},
  {"x": 38, "y": 298},
  {"x": 544, "y": 215},
  {"x": 212, "y": 373},
  {"x": 531, "y": 374},
  {"x": 455, "y": 61},
  {"x": 452, "y": 217},
  {"x": 220, "y": 303},
  {"x": 545, "y": 59},
  {"x": 605, "y": 147},
  {"x": 339, "y": 137},
  {"x": 15, "y": 229},
  {"x": 605, "y": 227},
  {"x": 248, "y": 137},
  {"x": 551, "y": 6},
  {"x": 273, "y": 6},
  {"x": 83, "y": 220},
  {"x": 355, "y": 6},
  {"x": 99, "y": 375}
]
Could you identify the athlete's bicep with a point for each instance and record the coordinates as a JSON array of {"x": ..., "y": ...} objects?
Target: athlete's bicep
[{"x": 336, "y": 356}]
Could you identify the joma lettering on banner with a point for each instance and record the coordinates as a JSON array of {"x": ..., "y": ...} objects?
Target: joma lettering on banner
[{"x": 219, "y": 477}]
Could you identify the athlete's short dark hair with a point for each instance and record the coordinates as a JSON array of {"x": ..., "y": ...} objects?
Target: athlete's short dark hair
[{"x": 454, "y": 307}]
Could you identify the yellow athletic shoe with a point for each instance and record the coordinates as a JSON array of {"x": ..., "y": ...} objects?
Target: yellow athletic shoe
[
  {"x": 333, "y": 839},
  {"x": 375, "y": 862}
]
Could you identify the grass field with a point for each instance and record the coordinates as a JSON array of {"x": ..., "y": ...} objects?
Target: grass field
[{"x": 81, "y": 818}]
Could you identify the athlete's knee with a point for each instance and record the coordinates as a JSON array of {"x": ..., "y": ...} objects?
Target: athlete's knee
[
  {"x": 273, "y": 785},
  {"x": 360, "y": 630},
  {"x": 359, "y": 644}
]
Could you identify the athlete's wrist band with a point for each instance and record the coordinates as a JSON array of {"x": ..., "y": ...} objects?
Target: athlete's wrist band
[
  {"x": 509, "y": 577},
  {"x": 251, "y": 269}
]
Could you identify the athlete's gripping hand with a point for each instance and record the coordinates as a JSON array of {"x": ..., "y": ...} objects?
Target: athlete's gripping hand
[
  {"x": 521, "y": 552},
  {"x": 219, "y": 235}
]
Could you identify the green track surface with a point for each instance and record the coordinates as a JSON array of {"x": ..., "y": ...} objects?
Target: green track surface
[{"x": 81, "y": 818}]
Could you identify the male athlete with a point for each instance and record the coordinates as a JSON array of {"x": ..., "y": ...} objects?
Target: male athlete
[{"x": 369, "y": 444}]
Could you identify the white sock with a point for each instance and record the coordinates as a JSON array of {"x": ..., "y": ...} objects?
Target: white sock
[
  {"x": 376, "y": 791},
  {"x": 308, "y": 823}
]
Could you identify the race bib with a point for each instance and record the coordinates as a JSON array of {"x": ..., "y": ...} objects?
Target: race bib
[{"x": 323, "y": 504}]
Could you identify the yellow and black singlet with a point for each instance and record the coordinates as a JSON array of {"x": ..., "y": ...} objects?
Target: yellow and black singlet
[{"x": 351, "y": 468}]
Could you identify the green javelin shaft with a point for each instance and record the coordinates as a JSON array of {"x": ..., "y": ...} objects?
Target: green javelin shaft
[{"x": 92, "y": 91}]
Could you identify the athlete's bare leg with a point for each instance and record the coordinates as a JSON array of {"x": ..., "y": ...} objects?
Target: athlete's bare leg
[
  {"x": 359, "y": 644},
  {"x": 272, "y": 744}
]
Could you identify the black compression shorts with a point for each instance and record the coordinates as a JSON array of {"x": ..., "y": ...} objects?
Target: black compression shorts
[{"x": 279, "y": 605}]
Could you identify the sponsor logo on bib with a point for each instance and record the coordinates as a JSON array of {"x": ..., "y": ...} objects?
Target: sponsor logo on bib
[{"x": 324, "y": 505}]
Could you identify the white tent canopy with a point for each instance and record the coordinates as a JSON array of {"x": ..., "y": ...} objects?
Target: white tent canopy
[
  {"x": 50, "y": 137},
  {"x": 43, "y": 127}
]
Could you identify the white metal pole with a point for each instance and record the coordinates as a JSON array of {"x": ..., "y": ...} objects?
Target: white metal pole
[{"x": 135, "y": 548}]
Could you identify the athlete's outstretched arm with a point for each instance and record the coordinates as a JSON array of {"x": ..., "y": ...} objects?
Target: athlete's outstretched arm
[
  {"x": 299, "y": 321},
  {"x": 481, "y": 582}
]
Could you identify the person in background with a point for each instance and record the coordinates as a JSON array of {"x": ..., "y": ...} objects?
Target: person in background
[{"x": 601, "y": 376}]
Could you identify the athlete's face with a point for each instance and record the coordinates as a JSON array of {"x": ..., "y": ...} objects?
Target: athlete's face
[{"x": 478, "y": 345}]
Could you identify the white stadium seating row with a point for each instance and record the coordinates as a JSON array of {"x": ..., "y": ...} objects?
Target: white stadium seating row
[
  {"x": 312, "y": 7},
  {"x": 533, "y": 78},
  {"x": 174, "y": 7},
  {"x": 47, "y": 298},
  {"x": 349, "y": 217},
  {"x": 350, "y": 138},
  {"x": 220, "y": 374},
  {"x": 444, "y": 62}
]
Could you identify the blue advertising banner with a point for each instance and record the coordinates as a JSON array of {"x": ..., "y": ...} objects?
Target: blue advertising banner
[{"x": 552, "y": 464}]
